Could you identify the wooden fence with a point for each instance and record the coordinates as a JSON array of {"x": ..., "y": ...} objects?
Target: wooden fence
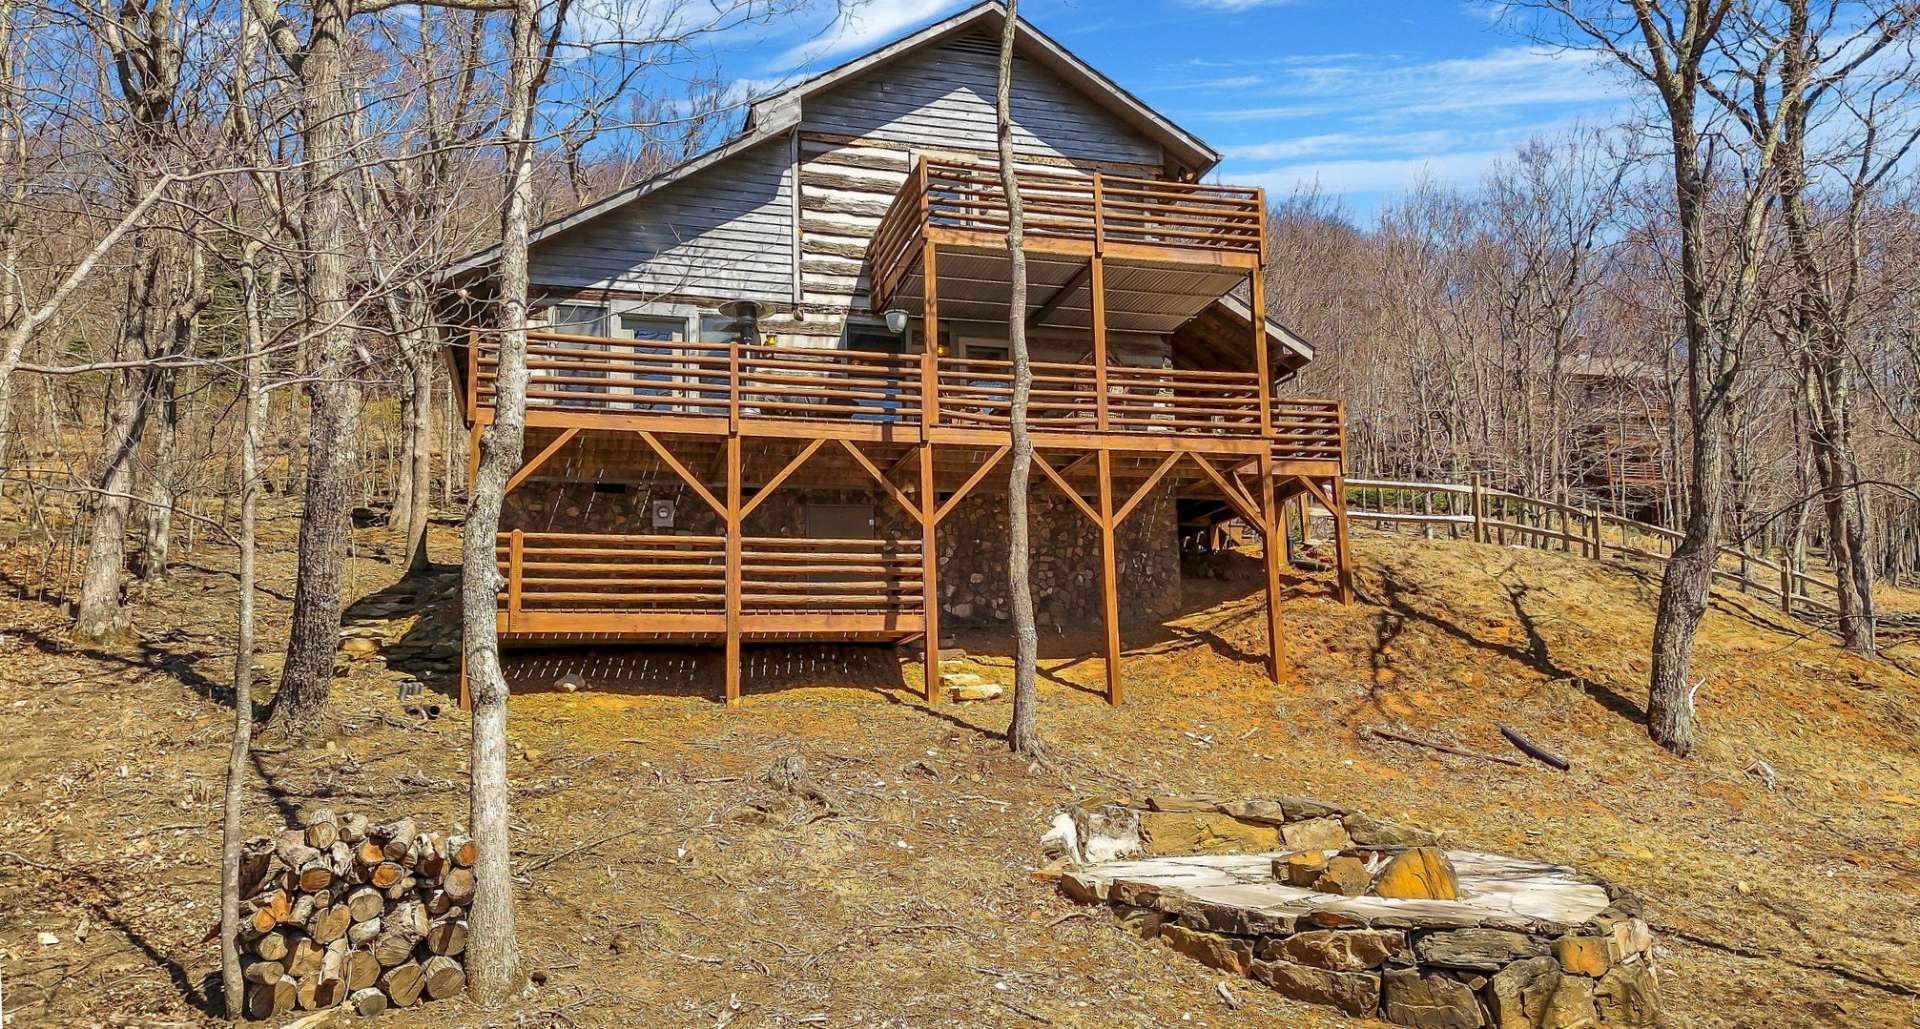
[{"x": 1472, "y": 511}]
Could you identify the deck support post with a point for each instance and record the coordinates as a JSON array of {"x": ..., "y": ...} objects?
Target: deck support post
[
  {"x": 930, "y": 340},
  {"x": 733, "y": 571},
  {"x": 1109, "y": 577},
  {"x": 1342, "y": 552},
  {"x": 1257, "y": 309},
  {"x": 1272, "y": 551},
  {"x": 930, "y": 571},
  {"x": 1097, "y": 294}
]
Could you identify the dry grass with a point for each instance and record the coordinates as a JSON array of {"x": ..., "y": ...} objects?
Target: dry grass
[{"x": 667, "y": 884}]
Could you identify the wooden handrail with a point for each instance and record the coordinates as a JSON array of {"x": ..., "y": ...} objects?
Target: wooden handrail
[
  {"x": 547, "y": 572},
  {"x": 1097, "y": 208},
  {"x": 1500, "y": 516}
]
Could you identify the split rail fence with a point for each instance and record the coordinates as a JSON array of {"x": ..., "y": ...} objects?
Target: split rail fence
[{"x": 1486, "y": 515}]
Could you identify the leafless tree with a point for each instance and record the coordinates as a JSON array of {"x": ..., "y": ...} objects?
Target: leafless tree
[{"x": 1023, "y": 733}]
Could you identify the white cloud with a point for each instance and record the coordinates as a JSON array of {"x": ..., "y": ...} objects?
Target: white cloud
[
  {"x": 1388, "y": 87},
  {"x": 865, "y": 26},
  {"x": 1380, "y": 175}
]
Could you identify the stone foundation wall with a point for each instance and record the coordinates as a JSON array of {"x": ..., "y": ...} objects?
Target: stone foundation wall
[
  {"x": 1066, "y": 561},
  {"x": 1432, "y": 964},
  {"x": 973, "y": 543}
]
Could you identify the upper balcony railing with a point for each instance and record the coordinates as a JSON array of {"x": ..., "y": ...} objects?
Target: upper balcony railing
[
  {"x": 728, "y": 383},
  {"x": 1138, "y": 217}
]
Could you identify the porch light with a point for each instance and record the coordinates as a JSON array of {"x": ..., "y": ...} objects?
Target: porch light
[{"x": 896, "y": 320}]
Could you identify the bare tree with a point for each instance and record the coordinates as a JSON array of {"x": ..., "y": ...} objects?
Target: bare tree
[
  {"x": 1023, "y": 733},
  {"x": 493, "y": 956},
  {"x": 1722, "y": 203},
  {"x": 1837, "y": 68}
]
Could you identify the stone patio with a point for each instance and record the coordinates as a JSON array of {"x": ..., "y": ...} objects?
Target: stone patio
[{"x": 1527, "y": 944}]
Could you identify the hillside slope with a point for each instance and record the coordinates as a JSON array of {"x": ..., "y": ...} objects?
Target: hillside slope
[{"x": 666, "y": 883}]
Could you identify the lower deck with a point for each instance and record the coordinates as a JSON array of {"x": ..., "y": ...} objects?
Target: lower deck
[{"x": 651, "y": 536}]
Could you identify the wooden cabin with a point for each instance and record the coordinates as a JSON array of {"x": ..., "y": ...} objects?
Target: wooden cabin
[{"x": 770, "y": 387}]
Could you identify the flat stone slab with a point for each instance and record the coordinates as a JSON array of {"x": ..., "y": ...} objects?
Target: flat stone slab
[{"x": 1499, "y": 892}]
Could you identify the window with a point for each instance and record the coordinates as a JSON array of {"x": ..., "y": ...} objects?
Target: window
[
  {"x": 718, "y": 328},
  {"x": 874, "y": 338},
  {"x": 655, "y": 363},
  {"x": 577, "y": 319},
  {"x": 574, "y": 357},
  {"x": 984, "y": 349}
]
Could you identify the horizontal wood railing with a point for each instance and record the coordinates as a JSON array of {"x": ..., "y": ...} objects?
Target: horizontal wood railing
[
  {"x": 1489, "y": 515},
  {"x": 1098, "y": 209},
  {"x": 570, "y": 572},
  {"x": 728, "y": 381},
  {"x": 1309, "y": 429}
]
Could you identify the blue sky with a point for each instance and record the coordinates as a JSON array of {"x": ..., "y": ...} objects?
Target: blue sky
[{"x": 1364, "y": 97}]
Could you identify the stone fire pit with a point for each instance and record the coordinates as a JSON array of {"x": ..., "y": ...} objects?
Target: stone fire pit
[{"x": 1525, "y": 945}]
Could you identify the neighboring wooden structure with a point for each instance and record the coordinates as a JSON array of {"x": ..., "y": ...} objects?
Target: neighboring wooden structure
[{"x": 1151, "y": 381}]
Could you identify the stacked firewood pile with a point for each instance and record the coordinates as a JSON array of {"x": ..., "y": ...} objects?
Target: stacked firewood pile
[{"x": 342, "y": 911}]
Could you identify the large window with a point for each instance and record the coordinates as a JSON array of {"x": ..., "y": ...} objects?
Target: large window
[
  {"x": 572, "y": 366},
  {"x": 662, "y": 364}
]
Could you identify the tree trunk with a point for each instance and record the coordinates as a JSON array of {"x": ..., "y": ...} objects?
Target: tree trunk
[
  {"x": 416, "y": 480},
  {"x": 1023, "y": 733},
  {"x": 1839, "y": 473},
  {"x": 99, "y": 615},
  {"x": 232, "y": 830},
  {"x": 156, "y": 515},
  {"x": 1684, "y": 588},
  {"x": 493, "y": 950},
  {"x": 299, "y": 708}
]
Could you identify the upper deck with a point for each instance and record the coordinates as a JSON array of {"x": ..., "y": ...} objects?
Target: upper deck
[
  {"x": 722, "y": 388},
  {"x": 1165, "y": 250}
]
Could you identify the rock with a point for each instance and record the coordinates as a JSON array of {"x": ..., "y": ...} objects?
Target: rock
[
  {"x": 1633, "y": 936},
  {"x": 1356, "y": 993},
  {"x": 1350, "y": 950},
  {"x": 1232, "y": 919},
  {"x": 1180, "y": 803},
  {"x": 1628, "y": 995},
  {"x": 1203, "y": 832},
  {"x": 1211, "y": 949},
  {"x": 1142, "y": 922},
  {"x": 1428, "y": 1001},
  {"x": 1478, "y": 950},
  {"x": 1571, "y": 1005},
  {"x": 1298, "y": 809},
  {"x": 1315, "y": 834},
  {"x": 1423, "y": 873},
  {"x": 1586, "y": 955},
  {"x": 359, "y": 646},
  {"x": 569, "y": 682},
  {"x": 1519, "y": 993},
  {"x": 1368, "y": 831},
  {"x": 47, "y": 939},
  {"x": 1301, "y": 868},
  {"x": 1085, "y": 889},
  {"x": 1263, "y": 812},
  {"x": 975, "y": 691},
  {"x": 1344, "y": 875}
]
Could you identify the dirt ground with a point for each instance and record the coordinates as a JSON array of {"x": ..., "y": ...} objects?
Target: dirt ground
[{"x": 664, "y": 883}]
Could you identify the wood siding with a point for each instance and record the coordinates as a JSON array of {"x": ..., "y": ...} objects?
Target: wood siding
[
  {"x": 943, "y": 98},
  {"x": 726, "y": 231}
]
